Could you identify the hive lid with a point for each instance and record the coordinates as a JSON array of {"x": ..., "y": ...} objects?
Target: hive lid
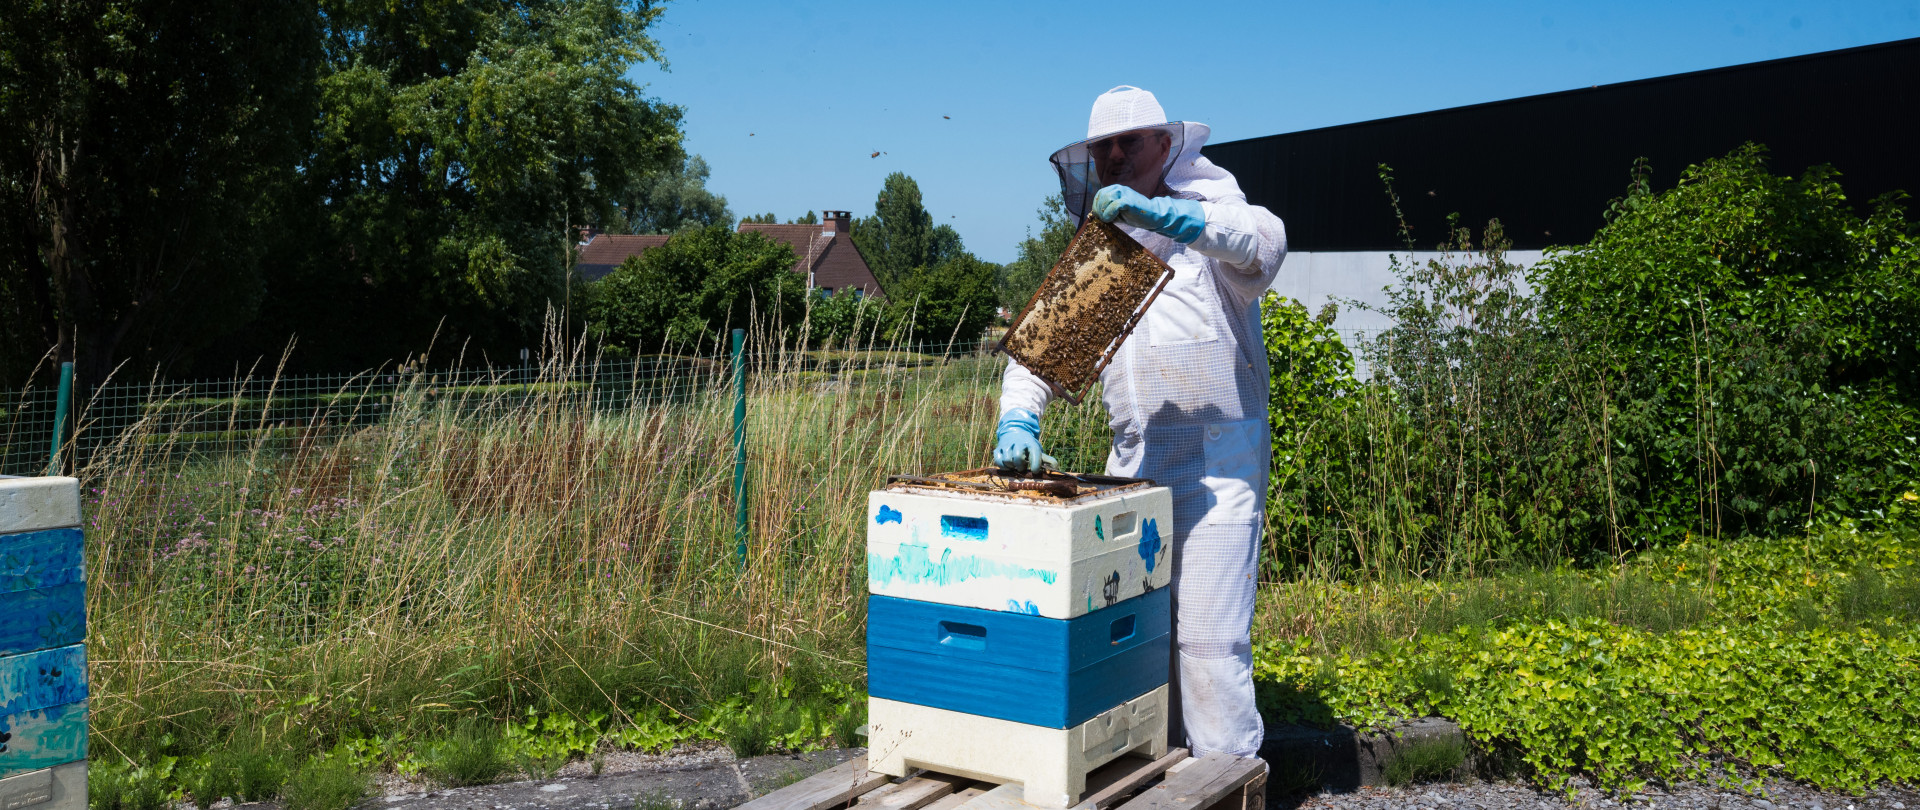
[
  {"x": 1085, "y": 308},
  {"x": 993, "y": 483}
]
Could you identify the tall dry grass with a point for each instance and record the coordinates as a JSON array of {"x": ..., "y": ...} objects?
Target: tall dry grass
[{"x": 480, "y": 550}]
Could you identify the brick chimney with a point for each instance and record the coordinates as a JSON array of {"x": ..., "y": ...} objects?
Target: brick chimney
[{"x": 839, "y": 222}]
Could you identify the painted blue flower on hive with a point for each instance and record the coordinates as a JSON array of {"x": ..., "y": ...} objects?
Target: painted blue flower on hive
[
  {"x": 887, "y": 514},
  {"x": 1150, "y": 543}
]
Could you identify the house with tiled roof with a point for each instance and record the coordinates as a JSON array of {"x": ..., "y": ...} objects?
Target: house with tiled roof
[
  {"x": 826, "y": 252},
  {"x": 827, "y": 256},
  {"x": 604, "y": 251}
]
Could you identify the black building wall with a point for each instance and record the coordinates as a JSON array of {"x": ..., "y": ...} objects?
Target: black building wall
[{"x": 1547, "y": 165}]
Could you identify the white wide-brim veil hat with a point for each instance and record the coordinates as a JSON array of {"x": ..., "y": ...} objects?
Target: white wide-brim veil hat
[{"x": 1126, "y": 109}]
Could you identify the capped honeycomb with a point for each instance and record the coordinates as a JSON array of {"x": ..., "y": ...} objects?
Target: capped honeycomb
[{"x": 1085, "y": 308}]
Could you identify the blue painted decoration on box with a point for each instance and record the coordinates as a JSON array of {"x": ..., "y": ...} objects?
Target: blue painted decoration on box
[
  {"x": 42, "y": 618},
  {"x": 1149, "y": 543},
  {"x": 40, "y": 559},
  {"x": 1027, "y": 607},
  {"x": 913, "y": 565},
  {"x": 37, "y": 680},
  {"x": 887, "y": 514},
  {"x": 1012, "y": 666},
  {"x": 43, "y": 738},
  {"x": 1098, "y": 534},
  {"x": 963, "y": 528}
]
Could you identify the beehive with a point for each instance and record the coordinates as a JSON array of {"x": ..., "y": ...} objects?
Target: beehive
[
  {"x": 43, "y": 673},
  {"x": 1018, "y": 629}
]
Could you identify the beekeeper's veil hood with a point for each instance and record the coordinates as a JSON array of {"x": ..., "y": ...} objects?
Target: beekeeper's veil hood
[{"x": 1131, "y": 109}]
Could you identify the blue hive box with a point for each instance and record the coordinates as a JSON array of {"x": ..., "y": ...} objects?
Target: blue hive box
[
  {"x": 43, "y": 667},
  {"x": 1056, "y": 673}
]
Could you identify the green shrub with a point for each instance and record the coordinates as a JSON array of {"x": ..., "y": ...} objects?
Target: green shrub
[
  {"x": 701, "y": 282},
  {"x": 325, "y": 782},
  {"x": 470, "y": 755},
  {"x": 1764, "y": 334}
]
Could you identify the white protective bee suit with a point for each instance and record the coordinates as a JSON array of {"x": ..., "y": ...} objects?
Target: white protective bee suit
[{"x": 1187, "y": 401}]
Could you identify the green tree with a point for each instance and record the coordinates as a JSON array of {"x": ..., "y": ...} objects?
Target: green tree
[
  {"x": 145, "y": 148},
  {"x": 675, "y": 199},
  {"x": 701, "y": 283},
  {"x": 458, "y": 144},
  {"x": 949, "y": 303},
  {"x": 900, "y": 235},
  {"x": 1037, "y": 255},
  {"x": 760, "y": 219}
]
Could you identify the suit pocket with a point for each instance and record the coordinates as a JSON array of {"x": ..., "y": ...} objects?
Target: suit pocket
[
  {"x": 1236, "y": 474},
  {"x": 1184, "y": 313}
]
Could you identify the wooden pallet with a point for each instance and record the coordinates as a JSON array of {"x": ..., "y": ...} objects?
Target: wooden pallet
[{"x": 1172, "y": 782}]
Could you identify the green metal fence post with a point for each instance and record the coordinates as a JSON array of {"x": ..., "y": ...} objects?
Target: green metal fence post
[
  {"x": 740, "y": 445},
  {"x": 60, "y": 405}
]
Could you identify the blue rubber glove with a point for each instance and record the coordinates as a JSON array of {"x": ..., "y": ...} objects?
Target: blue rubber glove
[
  {"x": 1019, "y": 448},
  {"x": 1183, "y": 220}
]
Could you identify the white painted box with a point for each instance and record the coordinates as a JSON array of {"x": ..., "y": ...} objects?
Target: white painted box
[
  {"x": 32, "y": 504},
  {"x": 1053, "y": 557},
  {"x": 61, "y": 787},
  {"x": 1051, "y": 764}
]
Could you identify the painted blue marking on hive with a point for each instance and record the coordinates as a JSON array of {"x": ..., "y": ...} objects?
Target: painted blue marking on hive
[
  {"x": 40, "y": 559},
  {"x": 43, "y": 738},
  {"x": 1029, "y": 608},
  {"x": 37, "y": 680},
  {"x": 914, "y": 566},
  {"x": 963, "y": 528},
  {"x": 1149, "y": 543},
  {"x": 887, "y": 514},
  {"x": 43, "y": 617}
]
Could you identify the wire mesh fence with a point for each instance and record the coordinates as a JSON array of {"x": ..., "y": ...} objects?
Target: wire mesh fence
[{"x": 314, "y": 484}]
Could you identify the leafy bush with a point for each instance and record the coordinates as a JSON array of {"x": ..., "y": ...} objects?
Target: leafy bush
[
  {"x": 848, "y": 320},
  {"x": 1312, "y": 382},
  {"x": 1763, "y": 338},
  {"x": 1730, "y": 357},
  {"x": 700, "y": 283}
]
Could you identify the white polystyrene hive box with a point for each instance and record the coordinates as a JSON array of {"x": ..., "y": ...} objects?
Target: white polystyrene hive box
[
  {"x": 995, "y": 551},
  {"x": 1051, "y": 764}
]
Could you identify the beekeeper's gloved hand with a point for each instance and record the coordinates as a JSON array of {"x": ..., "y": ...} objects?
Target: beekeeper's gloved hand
[
  {"x": 1182, "y": 220},
  {"x": 1019, "y": 447}
]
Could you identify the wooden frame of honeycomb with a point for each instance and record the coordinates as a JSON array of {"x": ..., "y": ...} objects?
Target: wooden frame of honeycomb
[{"x": 1085, "y": 308}]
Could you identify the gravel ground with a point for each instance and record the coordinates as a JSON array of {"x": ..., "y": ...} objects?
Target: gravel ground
[{"x": 1519, "y": 796}]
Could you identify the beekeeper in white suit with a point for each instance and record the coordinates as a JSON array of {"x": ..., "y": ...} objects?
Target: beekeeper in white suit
[{"x": 1187, "y": 393}]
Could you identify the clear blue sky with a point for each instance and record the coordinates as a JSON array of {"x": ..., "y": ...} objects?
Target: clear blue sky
[{"x": 787, "y": 100}]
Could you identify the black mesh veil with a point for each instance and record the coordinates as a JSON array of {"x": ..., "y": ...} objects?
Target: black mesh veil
[{"x": 1079, "y": 171}]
